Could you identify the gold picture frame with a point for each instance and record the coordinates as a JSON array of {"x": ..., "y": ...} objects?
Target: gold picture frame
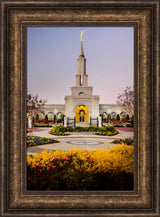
[{"x": 144, "y": 17}]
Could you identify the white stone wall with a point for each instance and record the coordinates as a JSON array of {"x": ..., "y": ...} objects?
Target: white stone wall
[
  {"x": 54, "y": 108},
  {"x": 92, "y": 103},
  {"x": 109, "y": 108},
  {"x": 86, "y": 90}
]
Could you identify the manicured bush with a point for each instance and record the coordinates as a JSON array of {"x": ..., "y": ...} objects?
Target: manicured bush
[
  {"x": 59, "y": 121},
  {"x": 86, "y": 129},
  {"x": 118, "y": 121},
  {"x": 39, "y": 121},
  {"x": 42, "y": 125},
  {"x": 82, "y": 170},
  {"x": 118, "y": 125},
  {"x": 108, "y": 129},
  {"x": 129, "y": 125},
  {"x": 107, "y": 133},
  {"x": 36, "y": 140},
  {"x": 45, "y": 121},
  {"x": 60, "y": 130}
]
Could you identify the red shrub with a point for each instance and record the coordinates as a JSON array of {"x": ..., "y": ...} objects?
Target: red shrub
[{"x": 45, "y": 121}]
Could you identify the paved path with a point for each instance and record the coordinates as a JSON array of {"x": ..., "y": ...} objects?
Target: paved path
[{"x": 79, "y": 140}]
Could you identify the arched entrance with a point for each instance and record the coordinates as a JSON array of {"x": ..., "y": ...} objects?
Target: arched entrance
[{"x": 82, "y": 114}]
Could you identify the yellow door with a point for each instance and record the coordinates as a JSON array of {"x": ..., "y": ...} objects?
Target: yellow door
[{"x": 82, "y": 114}]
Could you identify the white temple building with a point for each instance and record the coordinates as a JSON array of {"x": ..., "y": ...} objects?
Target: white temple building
[{"x": 81, "y": 104}]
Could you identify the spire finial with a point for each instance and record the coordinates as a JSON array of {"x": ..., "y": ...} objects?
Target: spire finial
[
  {"x": 82, "y": 34},
  {"x": 81, "y": 49}
]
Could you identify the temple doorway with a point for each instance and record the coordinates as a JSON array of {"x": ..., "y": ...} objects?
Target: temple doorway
[{"x": 82, "y": 114}]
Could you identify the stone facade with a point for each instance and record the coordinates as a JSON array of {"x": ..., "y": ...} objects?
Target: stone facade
[{"x": 60, "y": 108}]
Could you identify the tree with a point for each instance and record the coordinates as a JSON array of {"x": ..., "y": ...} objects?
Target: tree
[
  {"x": 34, "y": 105},
  {"x": 126, "y": 101}
]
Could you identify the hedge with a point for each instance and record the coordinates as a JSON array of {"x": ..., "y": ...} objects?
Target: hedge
[
  {"x": 60, "y": 130},
  {"x": 42, "y": 125}
]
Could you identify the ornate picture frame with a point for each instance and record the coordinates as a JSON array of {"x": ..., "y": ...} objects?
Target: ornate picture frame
[{"x": 144, "y": 17}]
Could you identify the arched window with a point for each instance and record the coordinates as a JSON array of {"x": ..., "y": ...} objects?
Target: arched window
[
  {"x": 50, "y": 116},
  {"x": 59, "y": 116},
  {"x": 123, "y": 115},
  {"x": 104, "y": 116},
  {"x": 81, "y": 94},
  {"x": 113, "y": 115},
  {"x": 41, "y": 116}
]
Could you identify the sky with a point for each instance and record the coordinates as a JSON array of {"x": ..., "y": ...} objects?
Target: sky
[{"x": 52, "y": 54}]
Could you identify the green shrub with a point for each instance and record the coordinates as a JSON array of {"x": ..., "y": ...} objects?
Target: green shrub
[
  {"x": 118, "y": 125},
  {"x": 42, "y": 125},
  {"x": 70, "y": 129},
  {"x": 60, "y": 130},
  {"x": 129, "y": 125},
  {"x": 109, "y": 133}
]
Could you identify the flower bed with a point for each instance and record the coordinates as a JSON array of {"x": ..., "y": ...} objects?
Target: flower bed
[
  {"x": 61, "y": 130},
  {"x": 82, "y": 170},
  {"x": 42, "y": 125},
  {"x": 127, "y": 141},
  {"x": 36, "y": 140}
]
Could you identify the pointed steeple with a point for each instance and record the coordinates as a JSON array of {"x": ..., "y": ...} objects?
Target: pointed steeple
[
  {"x": 81, "y": 77},
  {"x": 81, "y": 50}
]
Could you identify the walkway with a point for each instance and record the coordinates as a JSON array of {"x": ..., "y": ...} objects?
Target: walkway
[{"x": 79, "y": 140}]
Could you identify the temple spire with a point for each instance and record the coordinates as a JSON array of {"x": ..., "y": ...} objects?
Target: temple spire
[
  {"x": 81, "y": 50},
  {"x": 81, "y": 77}
]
